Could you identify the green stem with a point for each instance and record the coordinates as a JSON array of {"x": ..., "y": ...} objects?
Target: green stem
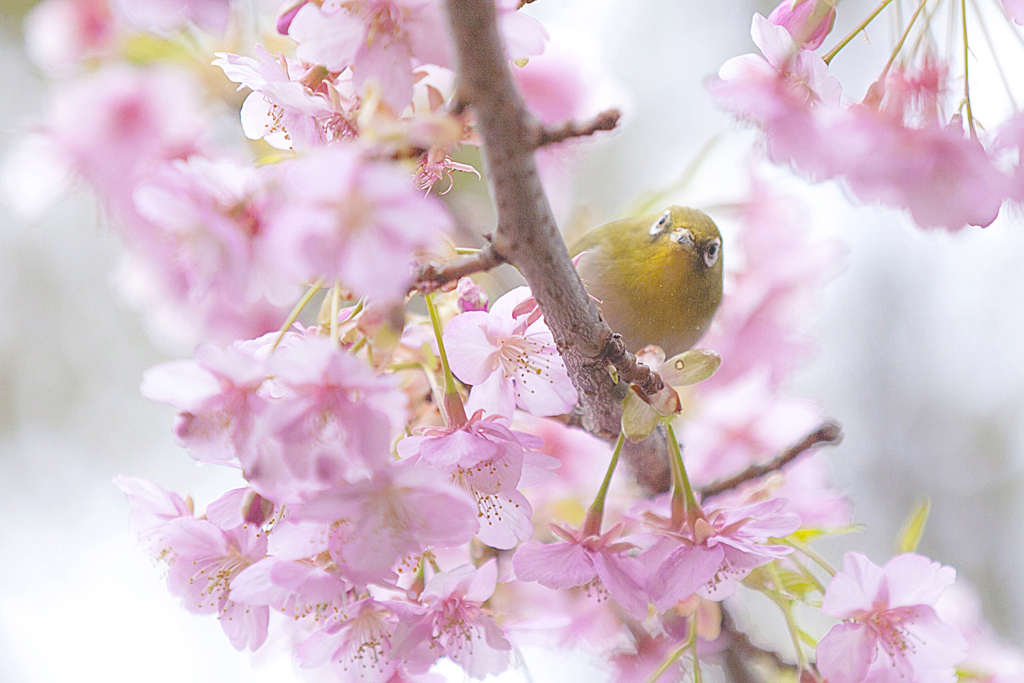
[
  {"x": 787, "y": 612},
  {"x": 903, "y": 38},
  {"x": 294, "y": 315},
  {"x": 690, "y": 644},
  {"x": 454, "y": 411},
  {"x": 335, "y": 309},
  {"x": 818, "y": 559},
  {"x": 967, "y": 82},
  {"x": 685, "y": 507},
  {"x": 808, "y": 573},
  {"x": 852, "y": 34},
  {"x": 592, "y": 524}
]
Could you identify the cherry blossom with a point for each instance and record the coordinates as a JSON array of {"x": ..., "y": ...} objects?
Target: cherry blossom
[
  {"x": 355, "y": 643},
  {"x": 204, "y": 245},
  {"x": 206, "y": 560},
  {"x": 808, "y": 21},
  {"x": 453, "y": 622},
  {"x": 486, "y": 459},
  {"x": 891, "y": 632},
  {"x": 379, "y": 39},
  {"x": 472, "y": 297},
  {"x": 61, "y": 34},
  {"x": 152, "y": 508},
  {"x": 382, "y": 519},
  {"x": 311, "y": 588},
  {"x": 116, "y": 124},
  {"x": 216, "y": 394},
  {"x": 598, "y": 562},
  {"x": 710, "y": 554},
  {"x": 291, "y": 104},
  {"x": 776, "y": 90},
  {"x": 352, "y": 220},
  {"x": 332, "y": 423},
  {"x": 510, "y": 359}
]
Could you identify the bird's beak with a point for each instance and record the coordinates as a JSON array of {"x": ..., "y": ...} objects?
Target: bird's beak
[{"x": 684, "y": 237}]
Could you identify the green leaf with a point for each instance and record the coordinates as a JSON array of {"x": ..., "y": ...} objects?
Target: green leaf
[
  {"x": 795, "y": 584},
  {"x": 805, "y": 535},
  {"x": 913, "y": 528},
  {"x": 691, "y": 367},
  {"x": 638, "y": 418}
]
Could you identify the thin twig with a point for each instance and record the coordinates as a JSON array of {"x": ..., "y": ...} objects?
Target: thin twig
[
  {"x": 829, "y": 432},
  {"x": 606, "y": 120},
  {"x": 853, "y": 34},
  {"x": 432, "y": 277}
]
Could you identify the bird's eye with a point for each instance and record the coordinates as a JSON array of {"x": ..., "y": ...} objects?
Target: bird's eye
[
  {"x": 711, "y": 255},
  {"x": 661, "y": 224}
]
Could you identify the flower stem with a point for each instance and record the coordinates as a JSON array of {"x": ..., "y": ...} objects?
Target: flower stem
[
  {"x": 294, "y": 315},
  {"x": 818, "y": 559},
  {"x": 903, "y": 38},
  {"x": 454, "y": 411},
  {"x": 787, "y": 612},
  {"x": 852, "y": 34},
  {"x": 967, "y": 82},
  {"x": 592, "y": 525},
  {"x": 685, "y": 507},
  {"x": 673, "y": 657}
]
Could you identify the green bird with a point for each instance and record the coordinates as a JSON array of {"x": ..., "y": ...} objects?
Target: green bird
[{"x": 658, "y": 278}]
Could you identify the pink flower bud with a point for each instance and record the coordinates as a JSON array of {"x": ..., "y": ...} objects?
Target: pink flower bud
[
  {"x": 472, "y": 297},
  {"x": 808, "y": 21},
  {"x": 286, "y": 14}
]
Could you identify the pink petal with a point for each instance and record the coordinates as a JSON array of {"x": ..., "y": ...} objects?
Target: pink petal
[
  {"x": 623, "y": 576},
  {"x": 916, "y": 580},
  {"x": 684, "y": 571},
  {"x": 853, "y": 589},
  {"x": 554, "y": 565},
  {"x": 846, "y": 653},
  {"x": 471, "y": 353},
  {"x": 328, "y": 39}
]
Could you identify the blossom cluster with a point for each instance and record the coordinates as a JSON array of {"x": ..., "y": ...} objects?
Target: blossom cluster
[
  {"x": 412, "y": 486},
  {"x": 899, "y": 145}
]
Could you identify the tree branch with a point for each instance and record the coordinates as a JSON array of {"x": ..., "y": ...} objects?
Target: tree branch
[
  {"x": 830, "y": 432},
  {"x": 606, "y": 120},
  {"x": 526, "y": 234},
  {"x": 432, "y": 277}
]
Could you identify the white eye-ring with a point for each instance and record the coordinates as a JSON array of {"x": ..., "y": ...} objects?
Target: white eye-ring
[
  {"x": 714, "y": 249},
  {"x": 661, "y": 225}
]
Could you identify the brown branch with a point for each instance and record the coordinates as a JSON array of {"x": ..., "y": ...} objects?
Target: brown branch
[
  {"x": 432, "y": 277},
  {"x": 606, "y": 120},
  {"x": 524, "y": 3},
  {"x": 830, "y": 432},
  {"x": 742, "y": 651},
  {"x": 526, "y": 233}
]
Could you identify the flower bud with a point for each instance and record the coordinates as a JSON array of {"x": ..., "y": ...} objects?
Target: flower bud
[
  {"x": 808, "y": 21},
  {"x": 472, "y": 297}
]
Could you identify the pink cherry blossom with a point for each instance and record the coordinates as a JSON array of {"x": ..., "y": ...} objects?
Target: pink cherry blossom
[
  {"x": 118, "y": 123},
  {"x": 61, "y": 34},
  {"x": 452, "y": 622},
  {"x": 216, "y": 394},
  {"x": 203, "y": 246},
  {"x": 332, "y": 422},
  {"x": 598, "y": 562},
  {"x": 708, "y": 556},
  {"x": 780, "y": 87},
  {"x": 291, "y": 104},
  {"x": 381, "y": 520},
  {"x": 808, "y": 21},
  {"x": 891, "y": 632},
  {"x": 355, "y": 643},
  {"x": 311, "y": 589},
  {"x": 486, "y": 459},
  {"x": 510, "y": 359},
  {"x": 206, "y": 560},
  {"x": 380, "y": 39},
  {"x": 352, "y": 220},
  {"x": 152, "y": 508},
  {"x": 163, "y": 16}
]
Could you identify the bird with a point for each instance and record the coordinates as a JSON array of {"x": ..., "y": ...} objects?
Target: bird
[{"x": 658, "y": 278}]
